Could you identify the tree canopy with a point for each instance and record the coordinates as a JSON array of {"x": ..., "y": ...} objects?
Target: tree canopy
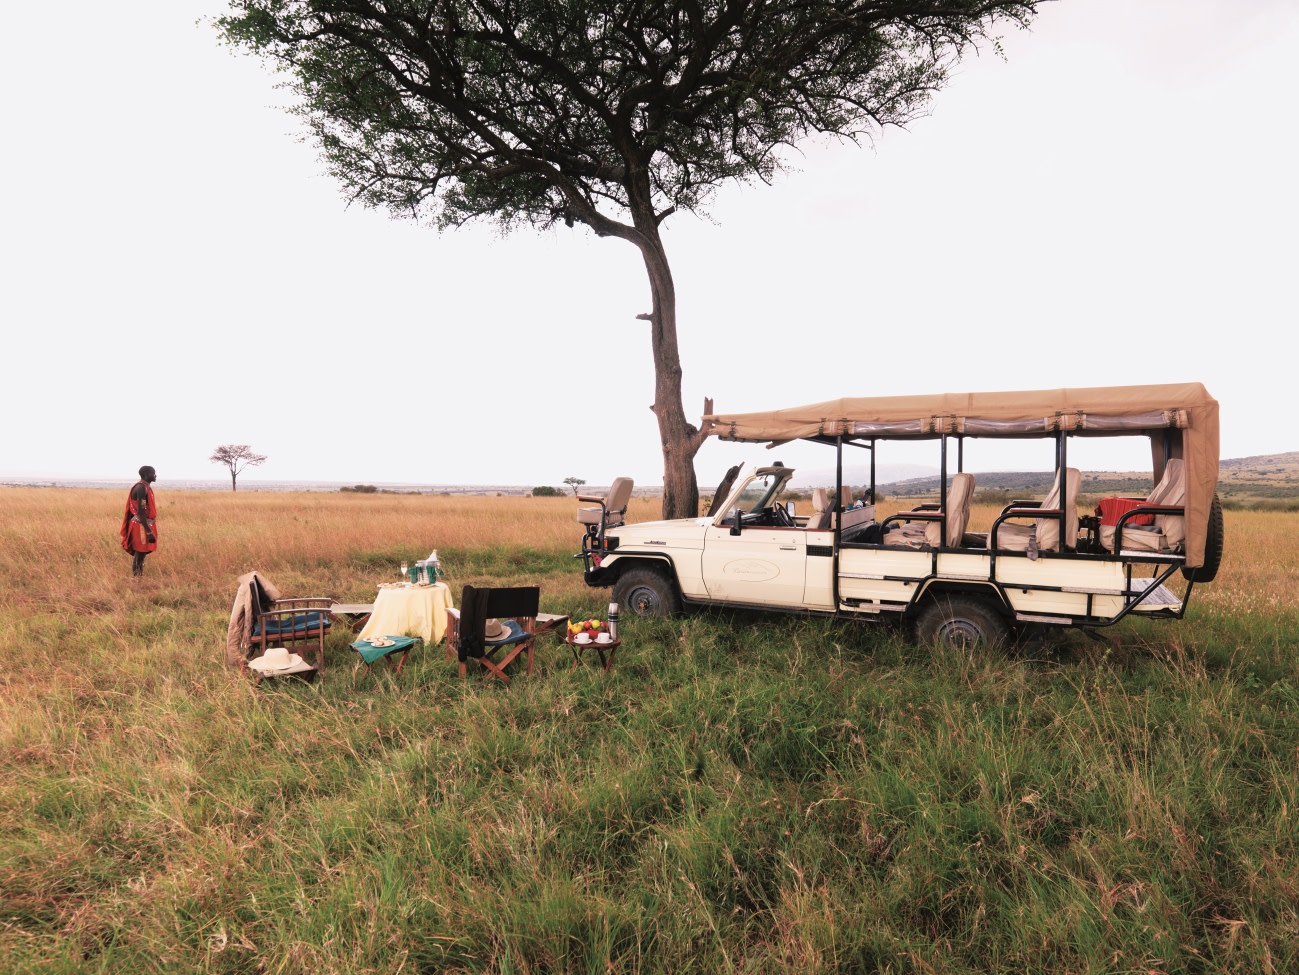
[
  {"x": 612, "y": 114},
  {"x": 237, "y": 457}
]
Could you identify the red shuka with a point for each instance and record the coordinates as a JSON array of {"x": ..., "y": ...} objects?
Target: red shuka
[{"x": 133, "y": 535}]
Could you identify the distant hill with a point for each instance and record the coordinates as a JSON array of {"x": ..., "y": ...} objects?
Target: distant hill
[
  {"x": 1265, "y": 467},
  {"x": 1242, "y": 481}
]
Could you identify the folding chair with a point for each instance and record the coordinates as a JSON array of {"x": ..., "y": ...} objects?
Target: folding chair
[
  {"x": 280, "y": 622},
  {"x": 466, "y": 627}
]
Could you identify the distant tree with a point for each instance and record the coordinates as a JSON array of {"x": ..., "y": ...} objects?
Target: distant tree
[
  {"x": 236, "y": 456},
  {"x": 545, "y": 491},
  {"x": 610, "y": 114},
  {"x": 574, "y": 483}
]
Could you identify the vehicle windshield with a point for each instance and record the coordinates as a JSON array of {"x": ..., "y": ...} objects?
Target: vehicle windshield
[{"x": 762, "y": 490}]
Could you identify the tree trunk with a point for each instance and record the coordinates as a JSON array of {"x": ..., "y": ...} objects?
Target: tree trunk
[
  {"x": 234, "y": 482},
  {"x": 680, "y": 440}
]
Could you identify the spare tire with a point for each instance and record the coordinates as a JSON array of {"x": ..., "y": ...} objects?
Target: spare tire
[{"x": 1212, "y": 547}]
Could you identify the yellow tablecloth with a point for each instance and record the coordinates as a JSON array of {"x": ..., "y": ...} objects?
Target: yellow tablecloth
[{"x": 410, "y": 611}]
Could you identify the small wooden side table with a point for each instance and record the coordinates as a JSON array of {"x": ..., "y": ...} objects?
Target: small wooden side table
[{"x": 605, "y": 651}]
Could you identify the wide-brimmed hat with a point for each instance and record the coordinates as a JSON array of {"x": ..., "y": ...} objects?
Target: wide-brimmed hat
[
  {"x": 278, "y": 660},
  {"x": 495, "y": 629}
]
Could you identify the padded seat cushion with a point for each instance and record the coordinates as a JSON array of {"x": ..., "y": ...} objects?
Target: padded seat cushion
[
  {"x": 1168, "y": 531},
  {"x": 1014, "y": 537},
  {"x": 915, "y": 534},
  {"x": 820, "y": 517},
  {"x": 298, "y": 623}
]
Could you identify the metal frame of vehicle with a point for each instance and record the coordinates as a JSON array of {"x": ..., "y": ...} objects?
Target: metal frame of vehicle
[{"x": 753, "y": 553}]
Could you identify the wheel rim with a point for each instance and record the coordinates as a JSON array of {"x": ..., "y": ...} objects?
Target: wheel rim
[
  {"x": 961, "y": 633},
  {"x": 644, "y": 601}
]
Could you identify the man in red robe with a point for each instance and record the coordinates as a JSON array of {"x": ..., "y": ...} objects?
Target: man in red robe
[{"x": 140, "y": 522}]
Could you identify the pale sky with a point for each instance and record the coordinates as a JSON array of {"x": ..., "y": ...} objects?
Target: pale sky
[{"x": 1112, "y": 203}]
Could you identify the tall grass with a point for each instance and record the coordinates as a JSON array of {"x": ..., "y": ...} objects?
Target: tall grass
[{"x": 741, "y": 793}]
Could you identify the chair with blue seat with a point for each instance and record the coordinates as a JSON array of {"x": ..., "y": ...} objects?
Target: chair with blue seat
[
  {"x": 278, "y": 622},
  {"x": 512, "y": 609}
]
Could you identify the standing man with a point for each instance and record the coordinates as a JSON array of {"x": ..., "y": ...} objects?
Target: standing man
[{"x": 140, "y": 523}]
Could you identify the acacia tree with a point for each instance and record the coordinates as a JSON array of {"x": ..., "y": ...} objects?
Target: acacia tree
[
  {"x": 613, "y": 114},
  {"x": 236, "y": 456},
  {"x": 574, "y": 483}
]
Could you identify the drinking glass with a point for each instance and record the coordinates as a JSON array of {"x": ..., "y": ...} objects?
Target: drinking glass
[{"x": 404, "y": 577}]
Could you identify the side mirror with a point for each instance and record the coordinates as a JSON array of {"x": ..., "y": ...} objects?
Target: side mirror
[
  {"x": 789, "y": 507},
  {"x": 736, "y": 517}
]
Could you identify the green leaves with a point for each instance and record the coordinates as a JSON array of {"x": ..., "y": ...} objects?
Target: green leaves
[{"x": 608, "y": 114}]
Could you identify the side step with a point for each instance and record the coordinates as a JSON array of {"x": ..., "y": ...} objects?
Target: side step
[{"x": 1150, "y": 599}]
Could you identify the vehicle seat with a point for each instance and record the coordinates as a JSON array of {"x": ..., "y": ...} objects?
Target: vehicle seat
[
  {"x": 927, "y": 527},
  {"x": 1043, "y": 532},
  {"x": 1169, "y": 531},
  {"x": 820, "y": 517},
  {"x": 612, "y": 507},
  {"x": 853, "y": 515}
]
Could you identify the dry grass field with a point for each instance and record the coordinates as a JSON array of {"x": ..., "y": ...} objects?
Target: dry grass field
[{"x": 741, "y": 793}]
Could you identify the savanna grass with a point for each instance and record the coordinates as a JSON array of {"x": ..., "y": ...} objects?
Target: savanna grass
[{"x": 740, "y": 793}]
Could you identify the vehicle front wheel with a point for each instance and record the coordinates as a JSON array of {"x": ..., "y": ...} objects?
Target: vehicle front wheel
[
  {"x": 646, "y": 592},
  {"x": 960, "y": 623}
]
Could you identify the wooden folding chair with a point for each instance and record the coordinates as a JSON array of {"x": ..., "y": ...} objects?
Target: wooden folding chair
[
  {"x": 283, "y": 622},
  {"x": 466, "y": 627}
]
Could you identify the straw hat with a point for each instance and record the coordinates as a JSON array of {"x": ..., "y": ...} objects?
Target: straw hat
[
  {"x": 495, "y": 630},
  {"x": 278, "y": 660}
]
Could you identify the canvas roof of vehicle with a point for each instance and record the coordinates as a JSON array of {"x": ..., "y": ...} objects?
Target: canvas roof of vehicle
[{"x": 1185, "y": 409}]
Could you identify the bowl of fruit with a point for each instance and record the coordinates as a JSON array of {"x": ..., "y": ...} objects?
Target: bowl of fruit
[{"x": 586, "y": 631}]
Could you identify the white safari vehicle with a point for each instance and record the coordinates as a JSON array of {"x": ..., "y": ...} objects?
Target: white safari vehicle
[{"x": 1041, "y": 563}]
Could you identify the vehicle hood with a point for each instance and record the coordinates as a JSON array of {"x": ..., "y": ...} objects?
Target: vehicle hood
[{"x": 649, "y": 532}]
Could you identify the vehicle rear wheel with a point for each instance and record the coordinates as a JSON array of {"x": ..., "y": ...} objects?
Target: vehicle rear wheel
[
  {"x": 646, "y": 592},
  {"x": 960, "y": 623},
  {"x": 1212, "y": 547}
]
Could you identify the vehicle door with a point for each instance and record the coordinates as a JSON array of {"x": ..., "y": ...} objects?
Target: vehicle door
[{"x": 762, "y": 564}]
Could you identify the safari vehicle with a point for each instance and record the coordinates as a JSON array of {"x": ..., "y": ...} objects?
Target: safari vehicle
[{"x": 1040, "y": 564}]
